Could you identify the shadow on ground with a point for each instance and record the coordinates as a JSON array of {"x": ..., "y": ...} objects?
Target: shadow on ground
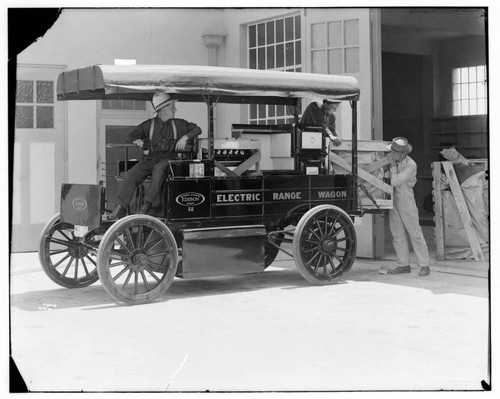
[{"x": 96, "y": 295}]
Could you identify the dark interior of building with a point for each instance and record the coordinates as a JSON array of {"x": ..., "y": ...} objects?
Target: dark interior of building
[{"x": 421, "y": 47}]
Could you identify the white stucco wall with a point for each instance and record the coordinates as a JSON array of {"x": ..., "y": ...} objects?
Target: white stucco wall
[{"x": 152, "y": 36}]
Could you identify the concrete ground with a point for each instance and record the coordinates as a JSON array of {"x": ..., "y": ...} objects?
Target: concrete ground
[
  {"x": 260, "y": 332},
  {"x": 467, "y": 267}
]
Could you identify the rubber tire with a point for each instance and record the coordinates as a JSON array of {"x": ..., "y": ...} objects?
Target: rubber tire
[{"x": 299, "y": 250}]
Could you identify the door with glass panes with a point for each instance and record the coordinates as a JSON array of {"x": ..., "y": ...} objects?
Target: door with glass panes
[{"x": 39, "y": 159}]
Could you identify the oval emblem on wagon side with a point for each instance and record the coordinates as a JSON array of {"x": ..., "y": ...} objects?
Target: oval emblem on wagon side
[
  {"x": 79, "y": 204},
  {"x": 190, "y": 199}
]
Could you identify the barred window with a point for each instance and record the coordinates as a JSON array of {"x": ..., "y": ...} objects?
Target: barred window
[
  {"x": 469, "y": 91},
  {"x": 35, "y": 104},
  {"x": 124, "y": 105},
  {"x": 335, "y": 47},
  {"x": 277, "y": 45}
]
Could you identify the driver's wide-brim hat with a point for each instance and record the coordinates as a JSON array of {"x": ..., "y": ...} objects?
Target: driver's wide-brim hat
[
  {"x": 400, "y": 144},
  {"x": 161, "y": 100}
]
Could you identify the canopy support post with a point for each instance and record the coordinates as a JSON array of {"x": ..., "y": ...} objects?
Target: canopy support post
[
  {"x": 354, "y": 161},
  {"x": 210, "y": 130},
  {"x": 295, "y": 137}
]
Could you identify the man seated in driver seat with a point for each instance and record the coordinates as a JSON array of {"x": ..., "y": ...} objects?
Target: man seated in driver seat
[{"x": 163, "y": 136}]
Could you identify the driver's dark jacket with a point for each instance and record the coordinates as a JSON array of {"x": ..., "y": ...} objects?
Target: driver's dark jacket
[
  {"x": 161, "y": 150},
  {"x": 163, "y": 140}
]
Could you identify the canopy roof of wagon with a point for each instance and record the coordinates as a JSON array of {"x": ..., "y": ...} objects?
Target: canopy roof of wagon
[{"x": 195, "y": 83}]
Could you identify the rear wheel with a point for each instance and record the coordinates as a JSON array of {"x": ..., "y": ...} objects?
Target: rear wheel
[
  {"x": 324, "y": 244},
  {"x": 68, "y": 260},
  {"x": 137, "y": 259}
]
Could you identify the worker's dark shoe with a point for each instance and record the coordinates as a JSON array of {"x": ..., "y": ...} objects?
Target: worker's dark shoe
[
  {"x": 424, "y": 271},
  {"x": 117, "y": 213},
  {"x": 145, "y": 208},
  {"x": 400, "y": 270}
]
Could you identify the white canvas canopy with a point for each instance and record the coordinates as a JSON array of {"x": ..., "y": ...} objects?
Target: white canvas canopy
[{"x": 191, "y": 83}]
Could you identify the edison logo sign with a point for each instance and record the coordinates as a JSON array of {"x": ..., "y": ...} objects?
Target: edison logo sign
[{"x": 190, "y": 199}]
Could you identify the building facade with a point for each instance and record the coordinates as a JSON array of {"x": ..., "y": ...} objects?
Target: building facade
[{"x": 413, "y": 67}]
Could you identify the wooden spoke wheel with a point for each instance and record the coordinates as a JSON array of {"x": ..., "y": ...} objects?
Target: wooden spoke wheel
[
  {"x": 137, "y": 259},
  {"x": 324, "y": 244},
  {"x": 68, "y": 260}
]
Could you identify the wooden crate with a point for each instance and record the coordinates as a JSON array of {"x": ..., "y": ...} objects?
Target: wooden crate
[
  {"x": 449, "y": 169},
  {"x": 375, "y": 193}
]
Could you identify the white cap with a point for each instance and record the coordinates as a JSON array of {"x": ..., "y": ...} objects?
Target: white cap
[{"x": 161, "y": 100}]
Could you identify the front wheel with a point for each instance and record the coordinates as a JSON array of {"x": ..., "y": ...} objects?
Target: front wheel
[
  {"x": 137, "y": 259},
  {"x": 324, "y": 244},
  {"x": 68, "y": 260}
]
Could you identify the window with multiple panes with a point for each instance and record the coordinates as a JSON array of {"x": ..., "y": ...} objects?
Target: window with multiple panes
[
  {"x": 35, "y": 104},
  {"x": 469, "y": 91},
  {"x": 124, "y": 105},
  {"x": 274, "y": 44},
  {"x": 335, "y": 47}
]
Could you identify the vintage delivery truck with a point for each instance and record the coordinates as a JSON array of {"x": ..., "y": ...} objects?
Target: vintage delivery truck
[{"x": 221, "y": 213}]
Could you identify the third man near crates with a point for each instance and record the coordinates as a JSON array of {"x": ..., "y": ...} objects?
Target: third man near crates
[
  {"x": 324, "y": 115},
  {"x": 162, "y": 136},
  {"x": 403, "y": 217}
]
